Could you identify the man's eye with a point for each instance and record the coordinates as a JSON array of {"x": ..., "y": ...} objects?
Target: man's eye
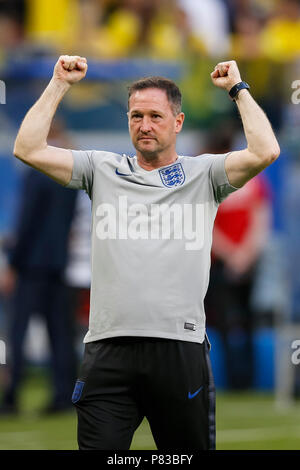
[
  {"x": 155, "y": 116},
  {"x": 136, "y": 116}
]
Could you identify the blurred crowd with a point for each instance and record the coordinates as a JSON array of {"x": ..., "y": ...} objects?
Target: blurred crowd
[
  {"x": 167, "y": 29},
  {"x": 256, "y": 238}
]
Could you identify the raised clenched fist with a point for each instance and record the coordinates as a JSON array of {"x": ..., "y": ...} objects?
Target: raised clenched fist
[
  {"x": 70, "y": 68},
  {"x": 226, "y": 75}
]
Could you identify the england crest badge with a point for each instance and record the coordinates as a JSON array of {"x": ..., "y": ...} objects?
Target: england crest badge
[{"x": 172, "y": 176}]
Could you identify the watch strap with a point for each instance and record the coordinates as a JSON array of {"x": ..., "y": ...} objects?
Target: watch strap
[{"x": 236, "y": 88}]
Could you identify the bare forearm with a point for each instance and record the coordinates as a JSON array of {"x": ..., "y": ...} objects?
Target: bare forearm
[
  {"x": 31, "y": 143},
  {"x": 35, "y": 127},
  {"x": 262, "y": 146},
  {"x": 258, "y": 131}
]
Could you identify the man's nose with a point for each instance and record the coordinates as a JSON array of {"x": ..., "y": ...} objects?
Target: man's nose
[{"x": 145, "y": 124}]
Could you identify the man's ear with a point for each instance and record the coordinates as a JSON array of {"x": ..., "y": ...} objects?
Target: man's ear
[{"x": 179, "y": 122}]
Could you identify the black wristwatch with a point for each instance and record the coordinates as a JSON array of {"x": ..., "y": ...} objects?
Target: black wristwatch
[{"x": 236, "y": 88}]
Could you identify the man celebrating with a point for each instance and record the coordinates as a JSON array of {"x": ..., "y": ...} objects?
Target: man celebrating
[{"x": 146, "y": 351}]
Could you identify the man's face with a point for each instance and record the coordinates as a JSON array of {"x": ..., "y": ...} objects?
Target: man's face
[{"x": 152, "y": 124}]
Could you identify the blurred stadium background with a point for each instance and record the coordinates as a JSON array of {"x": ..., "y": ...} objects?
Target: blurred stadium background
[{"x": 252, "y": 329}]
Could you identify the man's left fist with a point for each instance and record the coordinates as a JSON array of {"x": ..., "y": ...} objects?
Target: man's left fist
[{"x": 226, "y": 75}]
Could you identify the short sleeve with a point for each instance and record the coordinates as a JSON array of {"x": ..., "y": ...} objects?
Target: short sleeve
[
  {"x": 221, "y": 186},
  {"x": 83, "y": 171}
]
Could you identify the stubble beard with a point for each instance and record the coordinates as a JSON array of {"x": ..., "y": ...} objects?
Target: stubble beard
[{"x": 151, "y": 154}]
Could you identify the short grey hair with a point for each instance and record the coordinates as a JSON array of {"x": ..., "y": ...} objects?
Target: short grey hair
[{"x": 172, "y": 91}]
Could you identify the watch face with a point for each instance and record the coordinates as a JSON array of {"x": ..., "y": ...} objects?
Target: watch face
[{"x": 245, "y": 85}]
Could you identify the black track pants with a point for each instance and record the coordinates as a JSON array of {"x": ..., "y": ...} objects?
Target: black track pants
[{"x": 124, "y": 379}]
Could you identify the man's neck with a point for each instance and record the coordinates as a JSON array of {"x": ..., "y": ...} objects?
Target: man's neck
[{"x": 156, "y": 161}]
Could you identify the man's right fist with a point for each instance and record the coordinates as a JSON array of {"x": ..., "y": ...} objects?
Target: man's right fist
[{"x": 70, "y": 68}]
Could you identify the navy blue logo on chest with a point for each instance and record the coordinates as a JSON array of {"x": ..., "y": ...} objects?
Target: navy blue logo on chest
[{"x": 172, "y": 176}]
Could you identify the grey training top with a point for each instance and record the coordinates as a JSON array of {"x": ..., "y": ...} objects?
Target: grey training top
[{"x": 151, "y": 242}]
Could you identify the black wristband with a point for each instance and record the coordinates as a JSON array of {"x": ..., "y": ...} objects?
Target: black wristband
[{"x": 236, "y": 88}]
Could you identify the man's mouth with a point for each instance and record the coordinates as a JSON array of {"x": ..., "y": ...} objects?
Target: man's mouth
[{"x": 146, "y": 138}]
